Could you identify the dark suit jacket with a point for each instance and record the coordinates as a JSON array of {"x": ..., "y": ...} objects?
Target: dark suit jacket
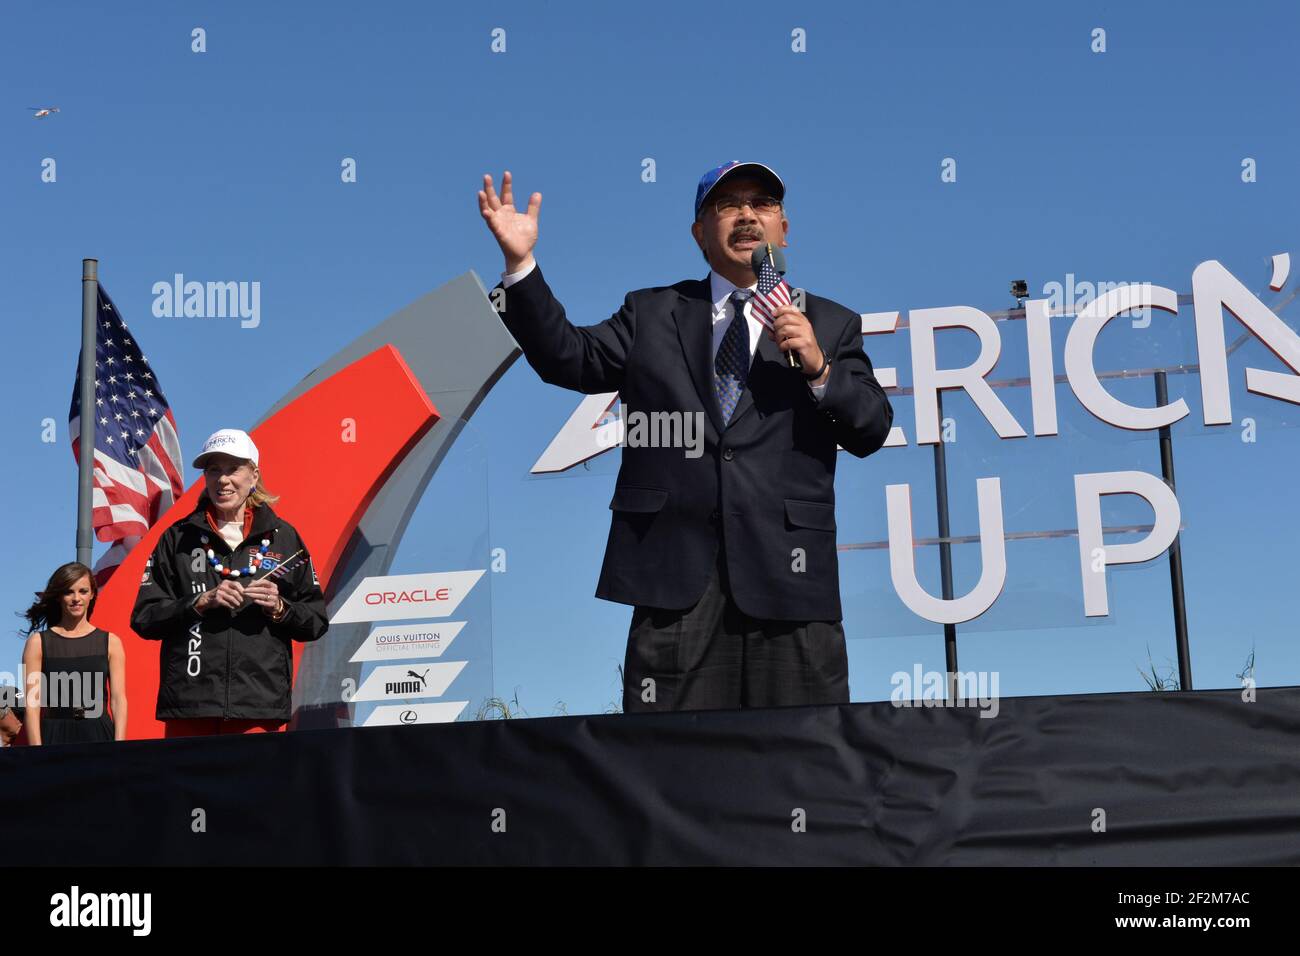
[{"x": 765, "y": 482}]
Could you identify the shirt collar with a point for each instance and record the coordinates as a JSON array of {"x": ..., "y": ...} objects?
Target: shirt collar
[
  {"x": 720, "y": 288},
  {"x": 214, "y": 521}
]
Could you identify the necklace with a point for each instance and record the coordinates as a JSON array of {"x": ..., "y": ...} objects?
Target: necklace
[{"x": 254, "y": 561}]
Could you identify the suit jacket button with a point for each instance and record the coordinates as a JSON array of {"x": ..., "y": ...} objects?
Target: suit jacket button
[
  {"x": 728, "y": 454},
  {"x": 713, "y": 516}
]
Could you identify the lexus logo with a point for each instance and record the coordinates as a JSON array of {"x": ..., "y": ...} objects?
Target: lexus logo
[{"x": 409, "y": 717}]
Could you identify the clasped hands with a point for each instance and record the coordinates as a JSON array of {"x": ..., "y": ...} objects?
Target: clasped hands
[{"x": 232, "y": 595}]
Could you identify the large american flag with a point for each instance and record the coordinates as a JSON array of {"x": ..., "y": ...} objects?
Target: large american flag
[
  {"x": 772, "y": 293},
  {"x": 137, "y": 451}
]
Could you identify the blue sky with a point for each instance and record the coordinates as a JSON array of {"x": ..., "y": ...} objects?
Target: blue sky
[{"x": 1115, "y": 166}]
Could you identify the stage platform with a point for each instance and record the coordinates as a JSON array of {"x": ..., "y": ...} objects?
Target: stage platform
[{"x": 1196, "y": 778}]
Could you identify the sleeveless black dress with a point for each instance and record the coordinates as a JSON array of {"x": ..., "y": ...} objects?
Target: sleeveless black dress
[{"x": 76, "y": 684}]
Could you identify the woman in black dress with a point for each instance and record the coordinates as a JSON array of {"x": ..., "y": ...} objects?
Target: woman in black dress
[{"x": 82, "y": 667}]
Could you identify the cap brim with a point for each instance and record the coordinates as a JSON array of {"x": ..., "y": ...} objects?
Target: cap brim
[{"x": 198, "y": 462}]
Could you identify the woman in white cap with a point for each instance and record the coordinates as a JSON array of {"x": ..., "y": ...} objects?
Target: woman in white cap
[{"x": 227, "y": 590}]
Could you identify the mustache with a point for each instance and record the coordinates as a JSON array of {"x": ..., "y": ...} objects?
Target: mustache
[{"x": 745, "y": 234}]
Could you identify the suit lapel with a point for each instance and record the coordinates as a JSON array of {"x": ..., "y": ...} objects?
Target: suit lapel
[{"x": 694, "y": 317}]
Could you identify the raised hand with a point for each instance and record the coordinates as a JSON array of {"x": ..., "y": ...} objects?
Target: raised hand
[{"x": 515, "y": 232}]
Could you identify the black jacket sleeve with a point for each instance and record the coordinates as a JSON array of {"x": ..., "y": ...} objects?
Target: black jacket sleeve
[
  {"x": 855, "y": 402},
  {"x": 164, "y": 605},
  {"x": 304, "y": 618},
  {"x": 588, "y": 359}
]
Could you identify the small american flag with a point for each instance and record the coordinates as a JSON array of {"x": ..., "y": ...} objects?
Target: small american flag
[
  {"x": 772, "y": 293},
  {"x": 137, "y": 451}
]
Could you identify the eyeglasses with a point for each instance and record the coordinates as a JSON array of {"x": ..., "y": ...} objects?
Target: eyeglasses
[{"x": 731, "y": 205}]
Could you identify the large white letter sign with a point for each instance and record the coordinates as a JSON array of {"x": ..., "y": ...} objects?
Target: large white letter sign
[
  {"x": 1042, "y": 371},
  {"x": 884, "y": 323},
  {"x": 928, "y": 380},
  {"x": 1094, "y": 555},
  {"x": 582, "y": 436},
  {"x": 1082, "y": 340},
  {"x": 993, "y": 553},
  {"x": 1213, "y": 288}
]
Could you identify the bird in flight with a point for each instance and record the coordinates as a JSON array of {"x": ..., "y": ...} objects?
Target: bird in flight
[{"x": 39, "y": 112}]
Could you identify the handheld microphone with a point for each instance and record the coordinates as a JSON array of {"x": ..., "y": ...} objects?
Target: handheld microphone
[{"x": 768, "y": 254}]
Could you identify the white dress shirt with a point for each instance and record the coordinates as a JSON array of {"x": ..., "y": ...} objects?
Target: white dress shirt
[{"x": 723, "y": 312}]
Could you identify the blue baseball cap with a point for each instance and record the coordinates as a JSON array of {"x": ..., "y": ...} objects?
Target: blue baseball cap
[{"x": 715, "y": 176}]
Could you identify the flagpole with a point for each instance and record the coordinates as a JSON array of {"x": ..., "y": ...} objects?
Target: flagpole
[{"x": 85, "y": 475}]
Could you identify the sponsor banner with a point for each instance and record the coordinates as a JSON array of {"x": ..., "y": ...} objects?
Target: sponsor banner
[
  {"x": 408, "y": 681},
  {"x": 390, "y": 715},
  {"x": 407, "y": 642},
  {"x": 397, "y": 596}
]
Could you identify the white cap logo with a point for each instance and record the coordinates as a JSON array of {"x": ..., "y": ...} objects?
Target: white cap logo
[{"x": 228, "y": 441}]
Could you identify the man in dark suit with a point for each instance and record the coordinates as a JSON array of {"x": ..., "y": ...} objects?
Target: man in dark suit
[{"x": 728, "y": 556}]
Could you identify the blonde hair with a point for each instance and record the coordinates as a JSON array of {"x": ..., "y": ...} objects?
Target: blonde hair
[{"x": 260, "y": 495}]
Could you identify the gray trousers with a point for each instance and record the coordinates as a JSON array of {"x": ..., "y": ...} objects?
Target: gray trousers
[{"x": 714, "y": 656}]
